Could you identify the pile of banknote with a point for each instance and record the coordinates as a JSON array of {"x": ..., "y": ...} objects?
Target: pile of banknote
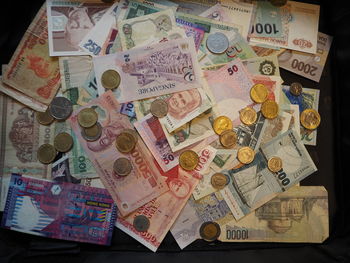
[{"x": 164, "y": 116}]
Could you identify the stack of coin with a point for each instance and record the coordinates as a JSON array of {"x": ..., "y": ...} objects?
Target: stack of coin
[
  {"x": 269, "y": 109},
  {"x": 188, "y": 160},
  {"x": 245, "y": 155},
  {"x": 88, "y": 121},
  {"x": 248, "y": 116},
  {"x": 221, "y": 124},
  {"x": 159, "y": 108},
  {"x": 310, "y": 119},
  {"x": 60, "y": 108},
  {"x": 210, "y": 231},
  {"x": 110, "y": 79}
]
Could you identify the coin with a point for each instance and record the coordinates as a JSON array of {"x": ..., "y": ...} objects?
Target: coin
[
  {"x": 228, "y": 138},
  {"x": 60, "y": 108},
  {"x": 141, "y": 223},
  {"x": 159, "y": 108},
  {"x": 269, "y": 109},
  {"x": 188, "y": 160},
  {"x": 274, "y": 164},
  {"x": 92, "y": 133},
  {"x": 110, "y": 79},
  {"x": 259, "y": 93},
  {"x": 44, "y": 118},
  {"x": 245, "y": 155},
  {"x": 310, "y": 119},
  {"x": 296, "y": 89},
  {"x": 278, "y": 3},
  {"x": 46, "y": 153},
  {"x": 218, "y": 180},
  {"x": 210, "y": 231},
  {"x": 87, "y": 117},
  {"x": 133, "y": 133},
  {"x": 248, "y": 116},
  {"x": 221, "y": 124},
  {"x": 125, "y": 142},
  {"x": 217, "y": 43},
  {"x": 122, "y": 166},
  {"x": 63, "y": 142}
]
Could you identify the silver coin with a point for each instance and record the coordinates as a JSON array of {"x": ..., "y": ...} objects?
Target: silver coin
[
  {"x": 122, "y": 166},
  {"x": 92, "y": 138},
  {"x": 141, "y": 223},
  {"x": 217, "y": 43},
  {"x": 60, "y": 108}
]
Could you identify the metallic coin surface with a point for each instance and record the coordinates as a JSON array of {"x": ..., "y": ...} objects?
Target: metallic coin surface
[
  {"x": 188, "y": 160},
  {"x": 87, "y": 117},
  {"x": 210, "y": 231},
  {"x": 125, "y": 142},
  {"x": 221, "y": 124},
  {"x": 60, "y": 108},
  {"x": 122, "y": 166},
  {"x": 141, "y": 223},
  {"x": 269, "y": 109},
  {"x": 217, "y": 43},
  {"x": 310, "y": 119},
  {"x": 63, "y": 142},
  {"x": 92, "y": 133},
  {"x": 218, "y": 180},
  {"x": 259, "y": 93},
  {"x": 245, "y": 155},
  {"x": 228, "y": 139},
  {"x": 296, "y": 89},
  {"x": 110, "y": 79},
  {"x": 133, "y": 133},
  {"x": 46, "y": 153},
  {"x": 248, "y": 116},
  {"x": 274, "y": 164},
  {"x": 278, "y": 3},
  {"x": 44, "y": 118},
  {"x": 159, "y": 108}
]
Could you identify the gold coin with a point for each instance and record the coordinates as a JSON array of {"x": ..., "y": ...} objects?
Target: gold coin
[
  {"x": 46, "y": 153},
  {"x": 218, "y": 180},
  {"x": 259, "y": 93},
  {"x": 310, "y": 119},
  {"x": 269, "y": 109},
  {"x": 245, "y": 155},
  {"x": 63, "y": 142},
  {"x": 87, "y": 117},
  {"x": 222, "y": 123},
  {"x": 159, "y": 108},
  {"x": 92, "y": 131},
  {"x": 274, "y": 164},
  {"x": 133, "y": 133},
  {"x": 110, "y": 79},
  {"x": 248, "y": 116},
  {"x": 125, "y": 142},
  {"x": 209, "y": 231},
  {"x": 188, "y": 160},
  {"x": 228, "y": 138},
  {"x": 44, "y": 118}
]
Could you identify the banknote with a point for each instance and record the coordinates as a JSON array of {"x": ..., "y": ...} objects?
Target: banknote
[
  {"x": 307, "y": 100},
  {"x": 94, "y": 182},
  {"x": 295, "y": 35},
  {"x": 194, "y": 7},
  {"x": 307, "y": 65},
  {"x": 238, "y": 46},
  {"x": 265, "y": 51},
  {"x": 193, "y": 31},
  {"x": 297, "y": 215},
  {"x": 253, "y": 185},
  {"x": 155, "y": 70},
  {"x": 294, "y": 111},
  {"x": 267, "y": 65},
  {"x": 128, "y": 109},
  {"x": 69, "y": 22},
  {"x": 5, "y": 184},
  {"x": 59, "y": 210},
  {"x": 144, "y": 183},
  {"x": 162, "y": 211},
  {"x": 31, "y": 70}
]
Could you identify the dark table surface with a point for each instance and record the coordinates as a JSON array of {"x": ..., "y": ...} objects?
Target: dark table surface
[{"x": 330, "y": 157}]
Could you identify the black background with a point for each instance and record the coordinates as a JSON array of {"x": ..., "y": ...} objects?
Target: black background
[{"x": 330, "y": 157}]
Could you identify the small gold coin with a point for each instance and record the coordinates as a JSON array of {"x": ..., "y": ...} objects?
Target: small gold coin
[
  {"x": 245, "y": 155},
  {"x": 209, "y": 231},
  {"x": 269, "y": 109},
  {"x": 219, "y": 180},
  {"x": 110, "y": 79},
  {"x": 44, "y": 118},
  {"x": 248, "y": 116},
  {"x": 188, "y": 160},
  {"x": 159, "y": 108},
  {"x": 310, "y": 119},
  {"x": 122, "y": 166},
  {"x": 296, "y": 89},
  {"x": 228, "y": 139},
  {"x": 63, "y": 142},
  {"x": 87, "y": 117},
  {"x": 221, "y": 124},
  {"x": 259, "y": 93},
  {"x": 274, "y": 164},
  {"x": 46, "y": 153},
  {"x": 125, "y": 142}
]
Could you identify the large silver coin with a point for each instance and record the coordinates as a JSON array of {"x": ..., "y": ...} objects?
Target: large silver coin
[
  {"x": 60, "y": 108},
  {"x": 93, "y": 133},
  {"x": 141, "y": 223},
  {"x": 217, "y": 43}
]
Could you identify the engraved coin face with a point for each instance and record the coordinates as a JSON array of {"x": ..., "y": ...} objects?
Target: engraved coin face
[
  {"x": 310, "y": 119},
  {"x": 188, "y": 160},
  {"x": 219, "y": 180},
  {"x": 217, "y": 43},
  {"x": 92, "y": 133},
  {"x": 125, "y": 142},
  {"x": 44, "y": 118},
  {"x": 46, "y": 153},
  {"x": 259, "y": 93},
  {"x": 245, "y": 155},
  {"x": 248, "y": 116},
  {"x": 296, "y": 89},
  {"x": 87, "y": 117},
  {"x": 269, "y": 109},
  {"x": 274, "y": 164},
  {"x": 110, "y": 79},
  {"x": 159, "y": 108},
  {"x": 122, "y": 166},
  {"x": 210, "y": 231},
  {"x": 141, "y": 223},
  {"x": 221, "y": 124},
  {"x": 60, "y": 108},
  {"x": 228, "y": 139},
  {"x": 63, "y": 142}
]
